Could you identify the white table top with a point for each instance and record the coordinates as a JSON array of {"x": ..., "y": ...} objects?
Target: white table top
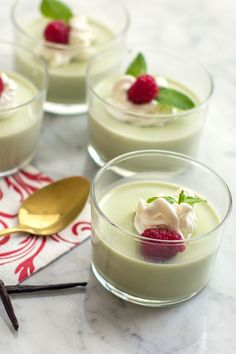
[{"x": 95, "y": 322}]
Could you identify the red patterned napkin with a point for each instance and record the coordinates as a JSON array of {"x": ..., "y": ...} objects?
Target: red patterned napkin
[{"x": 23, "y": 255}]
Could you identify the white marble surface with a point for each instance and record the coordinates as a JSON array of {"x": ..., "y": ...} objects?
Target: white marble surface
[{"x": 95, "y": 322}]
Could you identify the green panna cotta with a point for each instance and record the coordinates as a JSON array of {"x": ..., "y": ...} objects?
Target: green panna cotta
[
  {"x": 19, "y": 125},
  {"x": 66, "y": 81},
  {"x": 139, "y": 110},
  {"x": 118, "y": 257},
  {"x": 111, "y": 137}
]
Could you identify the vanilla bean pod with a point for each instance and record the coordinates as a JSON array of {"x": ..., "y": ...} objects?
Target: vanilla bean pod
[
  {"x": 8, "y": 305},
  {"x": 17, "y": 289}
]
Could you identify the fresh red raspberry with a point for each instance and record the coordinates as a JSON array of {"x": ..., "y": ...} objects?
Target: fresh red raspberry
[
  {"x": 143, "y": 90},
  {"x": 2, "y": 86},
  {"x": 154, "y": 250},
  {"x": 57, "y": 32}
]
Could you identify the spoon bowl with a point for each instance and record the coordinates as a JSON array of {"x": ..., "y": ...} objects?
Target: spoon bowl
[{"x": 52, "y": 208}]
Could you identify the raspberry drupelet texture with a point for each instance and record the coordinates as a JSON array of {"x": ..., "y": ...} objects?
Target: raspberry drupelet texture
[
  {"x": 154, "y": 250},
  {"x": 57, "y": 32},
  {"x": 1, "y": 85},
  {"x": 143, "y": 90}
]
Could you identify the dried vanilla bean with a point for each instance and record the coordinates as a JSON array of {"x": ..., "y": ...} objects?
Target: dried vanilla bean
[
  {"x": 8, "y": 305},
  {"x": 17, "y": 289}
]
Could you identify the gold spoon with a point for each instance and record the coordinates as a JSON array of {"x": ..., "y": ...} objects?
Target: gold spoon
[{"x": 52, "y": 208}]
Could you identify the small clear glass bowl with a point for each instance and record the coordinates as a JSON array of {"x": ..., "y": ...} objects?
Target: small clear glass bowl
[
  {"x": 67, "y": 84},
  {"x": 178, "y": 131},
  {"x": 117, "y": 262},
  {"x": 21, "y": 123}
]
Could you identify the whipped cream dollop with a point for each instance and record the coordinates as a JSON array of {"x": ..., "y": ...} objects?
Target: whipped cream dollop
[
  {"x": 54, "y": 57},
  {"x": 160, "y": 213},
  {"x": 80, "y": 47},
  {"x": 121, "y": 108},
  {"x": 82, "y": 37},
  {"x": 8, "y": 96}
]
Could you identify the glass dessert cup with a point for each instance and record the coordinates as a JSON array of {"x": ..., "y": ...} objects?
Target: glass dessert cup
[
  {"x": 118, "y": 261},
  {"x": 21, "y": 108},
  {"x": 67, "y": 85},
  {"x": 179, "y": 131}
]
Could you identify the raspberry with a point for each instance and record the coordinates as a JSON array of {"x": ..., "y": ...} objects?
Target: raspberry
[
  {"x": 143, "y": 90},
  {"x": 57, "y": 32},
  {"x": 1, "y": 86},
  {"x": 154, "y": 250}
]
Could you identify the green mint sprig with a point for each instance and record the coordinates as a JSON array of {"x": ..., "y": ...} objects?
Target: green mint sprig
[
  {"x": 166, "y": 197},
  {"x": 166, "y": 96},
  {"x": 182, "y": 198},
  {"x": 174, "y": 98},
  {"x": 138, "y": 66},
  {"x": 55, "y": 10}
]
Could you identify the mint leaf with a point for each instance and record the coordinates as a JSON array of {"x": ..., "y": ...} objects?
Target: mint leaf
[
  {"x": 169, "y": 199},
  {"x": 138, "y": 66},
  {"x": 173, "y": 98},
  {"x": 56, "y": 10},
  {"x": 181, "y": 198},
  {"x": 166, "y": 197},
  {"x": 189, "y": 199},
  {"x": 194, "y": 200},
  {"x": 150, "y": 200}
]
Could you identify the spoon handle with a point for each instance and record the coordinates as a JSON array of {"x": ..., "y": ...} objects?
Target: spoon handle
[{"x": 12, "y": 230}]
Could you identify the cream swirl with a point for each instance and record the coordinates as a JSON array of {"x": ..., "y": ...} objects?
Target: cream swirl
[
  {"x": 124, "y": 110},
  {"x": 7, "y": 97},
  {"x": 54, "y": 57},
  {"x": 160, "y": 213},
  {"x": 80, "y": 45},
  {"x": 187, "y": 218},
  {"x": 156, "y": 214},
  {"x": 82, "y": 37}
]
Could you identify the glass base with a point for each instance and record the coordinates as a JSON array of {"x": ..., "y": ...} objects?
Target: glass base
[
  {"x": 125, "y": 172},
  {"x": 65, "y": 109},
  {"x": 137, "y": 300},
  {"x": 10, "y": 172},
  {"x": 95, "y": 156},
  {"x": 14, "y": 170}
]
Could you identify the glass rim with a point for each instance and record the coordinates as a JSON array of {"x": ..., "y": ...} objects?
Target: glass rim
[
  {"x": 170, "y": 154},
  {"x": 64, "y": 47},
  {"x": 45, "y": 70},
  {"x": 160, "y": 116}
]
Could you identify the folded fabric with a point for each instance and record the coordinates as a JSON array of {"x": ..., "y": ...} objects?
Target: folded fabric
[{"x": 21, "y": 255}]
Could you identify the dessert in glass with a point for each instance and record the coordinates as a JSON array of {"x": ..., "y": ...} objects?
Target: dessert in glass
[
  {"x": 152, "y": 100},
  {"x": 156, "y": 231},
  {"x": 67, "y": 34},
  {"x": 22, "y": 95}
]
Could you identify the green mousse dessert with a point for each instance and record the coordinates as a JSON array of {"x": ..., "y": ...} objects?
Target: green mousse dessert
[
  {"x": 20, "y": 121},
  {"x": 138, "y": 110},
  {"x": 66, "y": 37},
  {"x": 67, "y": 66},
  {"x": 154, "y": 248}
]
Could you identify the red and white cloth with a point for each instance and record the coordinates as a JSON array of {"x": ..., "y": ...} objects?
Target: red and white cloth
[{"x": 22, "y": 255}]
